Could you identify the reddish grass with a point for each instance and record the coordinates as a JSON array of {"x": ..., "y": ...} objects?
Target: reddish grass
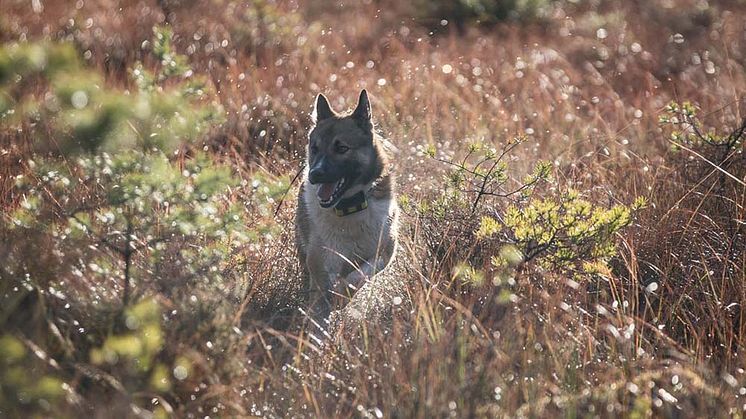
[{"x": 542, "y": 346}]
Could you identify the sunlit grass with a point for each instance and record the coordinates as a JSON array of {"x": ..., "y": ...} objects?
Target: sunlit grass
[{"x": 649, "y": 321}]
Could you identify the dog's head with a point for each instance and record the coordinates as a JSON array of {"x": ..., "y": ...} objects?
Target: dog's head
[{"x": 343, "y": 157}]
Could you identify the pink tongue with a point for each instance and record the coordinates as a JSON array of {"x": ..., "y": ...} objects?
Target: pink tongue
[{"x": 325, "y": 191}]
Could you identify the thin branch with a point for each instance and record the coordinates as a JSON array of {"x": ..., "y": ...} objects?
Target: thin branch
[
  {"x": 708, "y": 161},
  {"x": 127, "y": 263}
]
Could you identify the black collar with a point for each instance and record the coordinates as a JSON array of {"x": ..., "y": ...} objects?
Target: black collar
[{"x": 351, "y": 205}]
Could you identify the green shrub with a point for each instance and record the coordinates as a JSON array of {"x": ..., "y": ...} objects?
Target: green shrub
[
  {"x": 567, "y": 233},
  {"x": 79, "y": 113},
  {"x": 24, "y": 383},
  {"x": 563, "y": 231},
  {"x": 122, "y": 200}
]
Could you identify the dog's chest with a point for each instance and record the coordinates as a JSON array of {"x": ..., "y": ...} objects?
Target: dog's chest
[{"x": 355, "y": 236}]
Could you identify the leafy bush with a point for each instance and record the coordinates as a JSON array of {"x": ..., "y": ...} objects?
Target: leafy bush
[
  {"x": 137, "y": 208},
  {"x": 718, "y": 150},
  {"x": 565, "y": 232},
  {"x": 25, "y": 386},
  {"x": 125, "y": 204},
  {"x": 80, "y": 114},
  {"x": 568, "y": 232},
  {"x": 137, "y": 202}
]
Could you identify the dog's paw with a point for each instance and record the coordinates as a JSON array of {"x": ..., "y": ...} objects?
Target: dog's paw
[
  {"x": 355, "y": 279},
  {"x": 349, "y": 284}
]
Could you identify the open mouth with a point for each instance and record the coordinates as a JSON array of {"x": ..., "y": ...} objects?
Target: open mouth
[{"x": 329, "y": 193}]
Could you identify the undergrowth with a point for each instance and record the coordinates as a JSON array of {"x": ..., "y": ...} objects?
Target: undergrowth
[{"x": 571, "y": 177}]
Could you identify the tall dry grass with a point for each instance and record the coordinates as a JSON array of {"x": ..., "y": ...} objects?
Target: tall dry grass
[{"x": 660, "y": 334}]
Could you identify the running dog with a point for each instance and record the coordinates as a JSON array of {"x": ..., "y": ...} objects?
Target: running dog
[{"x": 347, "y": 216}]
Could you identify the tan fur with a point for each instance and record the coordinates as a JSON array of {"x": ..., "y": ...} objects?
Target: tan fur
[{"x": 336, "y": 252}]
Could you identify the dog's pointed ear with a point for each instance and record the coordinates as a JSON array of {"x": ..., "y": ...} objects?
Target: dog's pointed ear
[
  {"x": 362, "y": 111},
  {"x": 322, "y": 110}
]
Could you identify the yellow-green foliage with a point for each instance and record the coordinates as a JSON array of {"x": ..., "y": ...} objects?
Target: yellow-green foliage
[
  {"x": 134, "y": 352},
  {"x": 83, "y": 114},
  {"x": 509, "y": 256},
  {"x": 686, "y": 129},
  {"x": 121, "y": 188},
  {"x": 140, "y": 345},
  {"x": 569, "y": 232},
  {"x": 24, "y": 386},
  {"x": 135, "y": 355},
  {"x": 488, "y": 226},
  {"x": 468, "y": 274}
]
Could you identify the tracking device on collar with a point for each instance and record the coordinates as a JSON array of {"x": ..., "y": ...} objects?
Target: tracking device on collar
[{"x": 351, "y": 205}]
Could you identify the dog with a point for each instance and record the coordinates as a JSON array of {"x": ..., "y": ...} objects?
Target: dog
[{"x": 347, "y": 215}]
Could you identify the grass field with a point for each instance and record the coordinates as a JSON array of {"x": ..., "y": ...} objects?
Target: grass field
[{"x": 148, "y": 154}]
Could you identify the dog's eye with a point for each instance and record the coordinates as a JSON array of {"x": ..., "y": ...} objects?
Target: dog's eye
[{"x": 341, "y": 148}]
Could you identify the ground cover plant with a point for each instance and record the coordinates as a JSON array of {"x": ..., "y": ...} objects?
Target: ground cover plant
[{"x": 571, "y": 176}]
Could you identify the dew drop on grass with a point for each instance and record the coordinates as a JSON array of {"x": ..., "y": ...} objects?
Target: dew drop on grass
[
  {"x": 709, "y": 67},
  {"x": 79, "y": 99},
  {"x": 633, "y": 388},
  {"x": 180, "y": 372},
  {"x": 730, "y": 380}
]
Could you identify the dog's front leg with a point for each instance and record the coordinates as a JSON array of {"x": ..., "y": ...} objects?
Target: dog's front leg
[
  {"x": 372, "y": 266},
  {"x": 366, "y": 271},
  {"x": 319, "y": 284}
]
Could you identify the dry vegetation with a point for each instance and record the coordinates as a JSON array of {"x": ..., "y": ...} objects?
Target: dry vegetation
[{"x": 659, "y": 331}]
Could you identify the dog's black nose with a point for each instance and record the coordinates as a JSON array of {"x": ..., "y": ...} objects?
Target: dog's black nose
[{"x": 317, "y": 175}]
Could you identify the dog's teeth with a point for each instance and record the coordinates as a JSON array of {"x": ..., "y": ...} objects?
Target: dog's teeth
[{"x": 339, "y": 185}]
